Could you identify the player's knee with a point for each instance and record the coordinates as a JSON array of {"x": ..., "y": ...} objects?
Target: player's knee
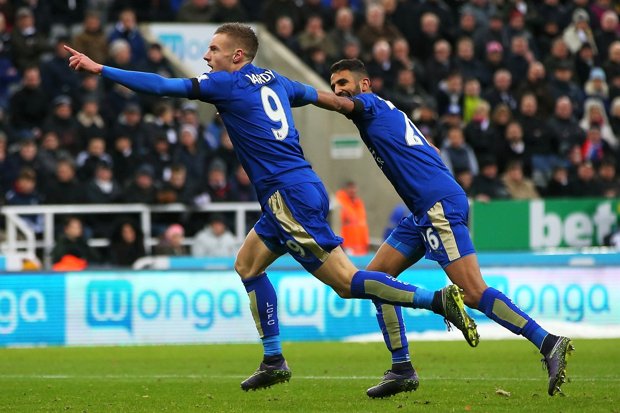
[
  {"x": 343, "y": 291},
  {"x": 242, "y": 269}
]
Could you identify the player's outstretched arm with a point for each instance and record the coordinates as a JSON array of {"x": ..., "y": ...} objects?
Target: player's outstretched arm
[
  {"x": 330, "y": 101},
  {"x": 138, "y": 81}
]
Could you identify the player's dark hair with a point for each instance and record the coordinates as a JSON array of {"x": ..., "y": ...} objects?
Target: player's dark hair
[
  {"x": 243, "y": 35},
  {"x": 352, "y": 65}
]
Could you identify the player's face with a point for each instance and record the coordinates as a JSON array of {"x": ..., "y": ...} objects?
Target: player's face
[
  {"x": 220, "y": 54},
  {"x": 345, "y": 83}
]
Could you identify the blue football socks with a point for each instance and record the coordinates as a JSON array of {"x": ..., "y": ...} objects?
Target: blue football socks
[
  {"x": 499, "y": 308},
  {"x": 264, "y": 307},
  {"x": 390, "y": 320}
]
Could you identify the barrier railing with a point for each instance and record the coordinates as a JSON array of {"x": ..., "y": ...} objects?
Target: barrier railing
[{"x": 28, "y": 243}]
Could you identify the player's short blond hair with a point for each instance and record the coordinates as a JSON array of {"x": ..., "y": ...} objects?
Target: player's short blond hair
[{"x": 243, "y": 36}]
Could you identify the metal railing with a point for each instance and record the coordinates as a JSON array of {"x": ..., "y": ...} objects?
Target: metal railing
[{"x": 29, "y": 244}]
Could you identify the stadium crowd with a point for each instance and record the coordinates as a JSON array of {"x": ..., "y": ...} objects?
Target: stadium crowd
[{"x": 522, "y": 97}]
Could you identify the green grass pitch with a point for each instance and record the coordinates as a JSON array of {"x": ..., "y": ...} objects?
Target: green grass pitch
[{"x": 327, "y": 377}]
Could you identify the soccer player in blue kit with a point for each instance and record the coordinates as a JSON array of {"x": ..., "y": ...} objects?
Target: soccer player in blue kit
[
  {"x": 437, "y": 226},
  {"x": 255, "y": 106}
]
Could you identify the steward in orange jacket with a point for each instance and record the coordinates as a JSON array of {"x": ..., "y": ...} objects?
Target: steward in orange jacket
[{"x": 354, "y": 227}]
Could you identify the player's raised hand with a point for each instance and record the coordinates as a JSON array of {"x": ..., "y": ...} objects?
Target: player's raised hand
[{"x": 80, "y": 62}]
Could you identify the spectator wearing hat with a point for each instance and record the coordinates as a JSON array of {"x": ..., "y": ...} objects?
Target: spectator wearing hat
[
  {"x": 171, "y": 242},
  {"x": 561, "y": 84},
  {"x": 493, "y": 32},
  {"x": 492, "y": 62},
  {"x": 596, "y": 86},
  {"x": 29, "y": 105},
  {"x": 607, "y": 33},
  {"x": 142, "y": 188},
  {"x": 218, "y": 186},
  {"x": 62, "y": 122},
  {"x": 215, "y": 240},
  {"x": 579, "y": 32},
  {"x": 595, "y": 116},
  {"x": 487, "y": 185},
  {"x": 28, "y": 44},
  {"x": 91, "y": 40}
]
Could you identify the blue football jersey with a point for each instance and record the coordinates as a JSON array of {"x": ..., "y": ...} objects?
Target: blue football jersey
[
  {"x": 255, "y": 106},
  {"x": 411, "y": 164}
]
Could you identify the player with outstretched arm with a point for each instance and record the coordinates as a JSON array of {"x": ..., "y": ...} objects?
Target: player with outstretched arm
[
  {"x": 255, "y": 106},
  {"x": 437, "y": 226}
]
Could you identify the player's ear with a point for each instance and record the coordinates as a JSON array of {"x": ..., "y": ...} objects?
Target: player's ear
[
  {"x": 365, "y": 84},
  {"x": 238, "y": 56}
]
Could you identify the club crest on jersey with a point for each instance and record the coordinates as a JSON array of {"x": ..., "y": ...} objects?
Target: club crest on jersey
[{"x": 261, "y": 78}]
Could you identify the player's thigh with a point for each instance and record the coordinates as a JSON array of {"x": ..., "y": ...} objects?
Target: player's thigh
[
  {"x": 403, "y": 248},
  {"x": 254, "y": 256},
  {"x": 295, "y": 221},
  {"x": 337, "y": 272}
]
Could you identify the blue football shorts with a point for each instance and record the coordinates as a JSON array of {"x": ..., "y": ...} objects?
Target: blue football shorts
[
  {"x": 294, "y": 220},
  {"x": 441, "y": 232}
]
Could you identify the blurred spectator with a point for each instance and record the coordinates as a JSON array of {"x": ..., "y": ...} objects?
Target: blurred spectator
[
  {"x": 163, "y": 124},
  {"x": 375, "y": 27},
  {"x": 89, "y": 120},
  {"x": 218, "y": 187},
  {"x": 195, "y": 11},
  {"x": 189, "y": 116},
  {"x": 26, "y": 156},
  {"x": 585, "y": 185},
  {"x": 472, "y": 99},
  {"x": 72, "y": 242},
  {"x": 564, "y": 127},
  {"x": 9, "y": 76},
  {"x": 273, "y": 9},
  {"x": 62, "y": 122},
  {"x": 126, "y": 244},
  {"x": 426, "y": 38},
  {"x": 450, "y": 95},
  {"x": 612, "y": 65},
  {"x": 607, "y": 34},
  {"x": 465, "y": 179},
  {"x": 316, "y": 59},
  {"x": 311, "y": 8},
  {"x": 5, "y": 175},
  {"x": 513, "y": 148},
  {"x": 517, "y": 185},
  {"x": 425, "y": 118},
  {"x": 492, "y": 62},
  {"x": 171, "y": 243},
  {"x": 241, "y": 188},
  {"x": 160, "y": 157},
  {"x": 480, "y": 134},
  {"x": 215, "y": 240},
  {"x": 401, "y": 53},
  {"x": 177, "y": 188},
  {"x": 120, "y": 56},
  {"x": 29, "y": 105},
  {"x": 466, "y": 27},
  {"x": 585, "y": 61},
  {"x": 516, "y": 27},
  {"x": 102, "y": 188},
  {"x": 536, "y": 83},
  {"x": 493, "y": 33},
  {"x": 579, "y": 32},
  {"x": 457, "y": 154},
  {"x": 595, "y": 149},
  {"x": 191, "y": 154},
  {"x": 561, "y": 84},
  {"x": 596, "y": 86},
  {"x": 608, "y": 180},
  {"x": 25, "y": 192},
  {"x": 353, "y": 224},
  {"x": 501, "y": 91},
  {"x": 50, "y": 153},
  {"x": 382, "y": 65},
  {"x": 228, "y": 11},
  {"x": 559, "y": 55},
  {"x": 595, "y": 116},
  {"x": 501, "y": 116},
  {"x": 407, "y": 95},
  {"x": 88, "y": 159},
  {"x": 487, "y": 185},
  {"x": 90, "y": 89},
  {"x": 57, "y": 78},
  {"x": 64, "y": 187},
  {"x": 439, "y": 66},
  {"x": 558, "y": 185},
  {"x": 542, "y": 145},
  {"x": 614, "y": 117},
  {"x": 27, "y": 43},
  {"x": 343, "y": 30},
  {"x": 124, "y": 160},
  {"x": 466, "y": 62},
  {"x": 91, "y": 40},
  {"x": 126, "y": 28},
  {"x": 285, "y": 33},
  {"x": 481, "y": 9},
  {"x": 142, "y": 189},
  {"x": 314, "y": 37},
  {"x": 519, "y": 59},
  {"x": 130, "y": 124}
]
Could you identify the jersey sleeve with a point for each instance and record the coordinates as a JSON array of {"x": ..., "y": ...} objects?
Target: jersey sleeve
[
  {"x": 148, "y": 82},
  {"x": 299, "y": 94},
  {"x": 212, "y": 87}
]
